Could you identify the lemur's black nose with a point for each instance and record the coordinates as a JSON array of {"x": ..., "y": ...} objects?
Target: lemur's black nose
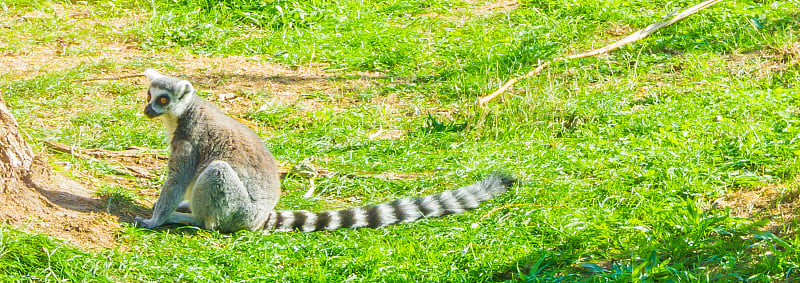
[{"x": 149, "y": 112}]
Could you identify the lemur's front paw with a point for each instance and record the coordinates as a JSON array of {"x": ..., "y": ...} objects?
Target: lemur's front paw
[{"x": 143, "y": 223}]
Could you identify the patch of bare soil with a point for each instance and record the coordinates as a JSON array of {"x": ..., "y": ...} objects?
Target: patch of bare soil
[
  {"x": 778, "y": 204},
  {"x": 475, "y": 9},
  {"x": 230, "y": 78},
  {"x": 501, "y": 6},
  {"x": 619, "y": 30},
  {"x": 59, "y": 207},
  {"x": 764, "y": 62}
]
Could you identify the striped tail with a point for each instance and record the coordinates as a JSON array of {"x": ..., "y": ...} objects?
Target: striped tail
[{"x": 398, "y": 211}]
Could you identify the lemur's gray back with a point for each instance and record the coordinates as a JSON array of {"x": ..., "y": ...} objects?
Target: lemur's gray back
[
  {"x": 222, "y": 138},
  {"x": 214, "y": 136},
  {"x": 217, "y": 136}
]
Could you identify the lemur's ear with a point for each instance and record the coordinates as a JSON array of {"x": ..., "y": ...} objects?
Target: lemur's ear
[
  {"x": 152, "y": 74},
  {"x": 183, "y": 88}
]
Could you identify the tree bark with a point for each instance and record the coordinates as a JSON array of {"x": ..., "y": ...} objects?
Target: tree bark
[{"x": 16, "y": 156}]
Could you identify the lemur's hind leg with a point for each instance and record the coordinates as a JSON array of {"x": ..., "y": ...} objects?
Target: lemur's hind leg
[
  {"x": 181, "y": 215},
  {"x": 182, "y": 218},
  {"x": 184, "y": 207},
  {"x": 220, "y": 200}
]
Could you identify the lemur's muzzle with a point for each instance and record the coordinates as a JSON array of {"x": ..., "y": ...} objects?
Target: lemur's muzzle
[{"x": 149, "y": 112}]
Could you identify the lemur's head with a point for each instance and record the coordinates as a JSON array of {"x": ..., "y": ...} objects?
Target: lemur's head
[{"x": 166, "y": 95}]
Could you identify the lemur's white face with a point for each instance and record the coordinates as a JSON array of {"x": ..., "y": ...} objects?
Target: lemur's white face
[
  {"x": 167, "y": 96},
  {"x": 158, "y": 102}
]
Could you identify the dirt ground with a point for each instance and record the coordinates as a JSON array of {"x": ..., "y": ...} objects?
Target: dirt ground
[
  {"x": 777, "y": 203},
  {"x": 59, "y": 207}
]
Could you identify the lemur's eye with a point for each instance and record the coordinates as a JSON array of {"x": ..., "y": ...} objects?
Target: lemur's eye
[
  {"x": 163, "y": 100},
  {"x": 148, "y": 96}
]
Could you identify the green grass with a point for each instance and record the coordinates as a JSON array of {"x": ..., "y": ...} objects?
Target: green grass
[{"x": 620, "y": 157}]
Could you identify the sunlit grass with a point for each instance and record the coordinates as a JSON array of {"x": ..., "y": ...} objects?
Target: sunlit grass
[{"x": 620, "y": 156}]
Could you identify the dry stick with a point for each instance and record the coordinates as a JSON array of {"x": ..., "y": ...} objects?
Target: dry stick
[
  {"x": 97, "y": 152},
  {"x": 628, "y": 39},
  {"x": 86, "y": 153},
  {"x": 109, "y": 79}
]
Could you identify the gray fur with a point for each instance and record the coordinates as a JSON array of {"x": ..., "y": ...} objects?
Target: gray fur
[
  {"x": 217, "y": 164},
  {"x": 228, "y": 179}
]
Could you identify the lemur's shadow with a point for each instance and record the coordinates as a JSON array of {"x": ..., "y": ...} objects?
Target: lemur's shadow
[
  {"x": 66, "y": 193},
  {"x": 124, "y": 210}
]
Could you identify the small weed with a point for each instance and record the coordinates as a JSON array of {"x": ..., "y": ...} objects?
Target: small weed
[
  {"x": 434, "y": 126},
  {"x": 116, "y": 194}
]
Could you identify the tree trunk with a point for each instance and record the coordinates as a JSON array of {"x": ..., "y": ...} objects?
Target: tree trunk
[
  {"x": 16, "y": 156},
  {"x": 39, "y": 201}
]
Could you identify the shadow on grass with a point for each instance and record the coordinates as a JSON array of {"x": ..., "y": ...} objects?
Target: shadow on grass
[
  {"x": 289, "y": 79},
  {"x": 125, "y": 211},
  {"x": 538, "y": 266}
]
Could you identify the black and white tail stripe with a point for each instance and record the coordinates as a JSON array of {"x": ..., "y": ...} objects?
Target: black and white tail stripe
[{"x": 397, "y": 211}]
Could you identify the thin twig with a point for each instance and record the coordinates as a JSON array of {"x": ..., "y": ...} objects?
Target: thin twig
[
  {"x": 90, "y": 153},
  {"x": 98, "y": 152},
  {"x": 626, "y": 40},
  {"x": 513, "y": 205},
  {"x": 109, "y": 78}
]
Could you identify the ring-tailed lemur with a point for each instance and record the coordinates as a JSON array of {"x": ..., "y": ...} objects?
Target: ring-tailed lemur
[{"x": 229, "y": 179}]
